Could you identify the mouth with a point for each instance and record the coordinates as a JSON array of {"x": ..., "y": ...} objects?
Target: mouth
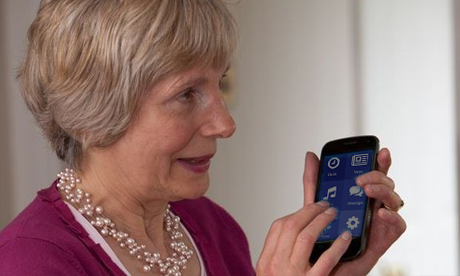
[{"x": 196, "y": 164}]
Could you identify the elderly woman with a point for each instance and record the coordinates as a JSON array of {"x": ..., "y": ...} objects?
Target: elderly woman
[{"x": 128, "y": 94}]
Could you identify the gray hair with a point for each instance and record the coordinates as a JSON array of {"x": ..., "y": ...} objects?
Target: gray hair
[{"x": 89, "y": 62}]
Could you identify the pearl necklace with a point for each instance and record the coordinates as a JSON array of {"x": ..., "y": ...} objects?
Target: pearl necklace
[{"x": 170, "y": 266}]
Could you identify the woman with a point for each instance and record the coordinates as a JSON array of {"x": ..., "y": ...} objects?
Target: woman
[{"x": 127, "y": 93}]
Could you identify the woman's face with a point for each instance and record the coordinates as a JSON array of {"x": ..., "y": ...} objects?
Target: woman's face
[{"x": 167, "y": 150}]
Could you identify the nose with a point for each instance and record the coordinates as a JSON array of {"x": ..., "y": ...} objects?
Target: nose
[{"x": 219, "y": 123}]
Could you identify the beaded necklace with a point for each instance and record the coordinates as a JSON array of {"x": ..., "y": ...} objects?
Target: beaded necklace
[{"x": 170, "y": 266}]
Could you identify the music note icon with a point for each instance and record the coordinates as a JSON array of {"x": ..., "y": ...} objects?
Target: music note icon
[{"x": 331, "y": 192}]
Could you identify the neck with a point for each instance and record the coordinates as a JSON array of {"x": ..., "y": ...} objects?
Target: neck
[
  {"x": 143, "y": 222},
  {"x": 129, "y": 199},
  {"x": 69, "y": 184}
]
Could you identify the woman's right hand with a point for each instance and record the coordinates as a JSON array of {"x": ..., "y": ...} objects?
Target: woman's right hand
[{"x": 291, "y": 239}]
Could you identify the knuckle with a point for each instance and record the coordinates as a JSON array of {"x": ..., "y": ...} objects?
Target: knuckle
[
  {"x": 377, "y": 177},
  {"x": 272, "y": 268},
  {"x": 403, "y": 227},
  {"x": 390, "y": 180},
  {"x": 277, "y": 224},
  {"x": 380, "y": 177},
  {"x": 386, "y": 193},
  {"x": 313, "y": 208},
  {"x": 306, "y": 237},
  {"x": 371, "y": 177},
  {"x": 364, "y": 178},
  {"x": 267, "y": 269},
  {"x": 328, "y": 261},
  {"x": 259, "y": 267},
  {"x": 290, "y": 223},
  {"x": 400, "y": 227}
]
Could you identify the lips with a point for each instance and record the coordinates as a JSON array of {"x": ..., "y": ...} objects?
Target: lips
[{"x": 196, "y": 164}]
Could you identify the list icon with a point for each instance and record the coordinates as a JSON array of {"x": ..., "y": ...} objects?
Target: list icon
[{"x": 359, "y": 159}]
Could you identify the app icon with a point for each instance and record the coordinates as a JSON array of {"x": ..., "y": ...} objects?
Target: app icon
[
  {"x": 333, "y": 163},
  {"x": 352, "y": 222},
  {"x": 359, "y": 159},
  {"x": 356, "y": 191},
  {"x": 327, "y": 228},
  {"x": 331, "y": 192}
]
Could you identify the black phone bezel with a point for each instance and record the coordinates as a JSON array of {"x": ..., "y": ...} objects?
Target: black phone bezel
[{"x": 339, "y": 146}]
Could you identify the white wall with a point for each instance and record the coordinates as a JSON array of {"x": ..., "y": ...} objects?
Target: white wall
[
  {"x": 296, "y": 76},
  {"x": 295, "y": 92},
  {"x": 27, "y": 163},
  {"x": 409, "y": 101}
]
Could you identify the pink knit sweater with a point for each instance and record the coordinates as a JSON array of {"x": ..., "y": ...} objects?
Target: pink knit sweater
[{"x": 45, "y": 239}]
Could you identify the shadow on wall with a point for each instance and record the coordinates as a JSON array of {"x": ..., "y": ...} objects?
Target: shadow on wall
[{"x": 5, "y": 190}]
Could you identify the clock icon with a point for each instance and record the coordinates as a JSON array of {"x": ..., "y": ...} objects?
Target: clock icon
[{"x": 333, "y": 163}]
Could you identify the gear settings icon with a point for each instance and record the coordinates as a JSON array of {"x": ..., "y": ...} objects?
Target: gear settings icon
[{"x": 352, "y": 222}]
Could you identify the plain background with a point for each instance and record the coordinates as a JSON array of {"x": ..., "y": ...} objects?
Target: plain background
[{"x": 307, "y": 71}]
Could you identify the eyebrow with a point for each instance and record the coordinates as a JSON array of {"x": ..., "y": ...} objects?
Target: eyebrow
[
  {"x": 197, "y": 81},
  {"x": 194, "y": 82}
]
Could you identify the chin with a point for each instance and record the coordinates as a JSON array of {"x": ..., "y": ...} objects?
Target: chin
[
  {"x": 198, "y": 190},
  {"x": 192, "y": 189}
]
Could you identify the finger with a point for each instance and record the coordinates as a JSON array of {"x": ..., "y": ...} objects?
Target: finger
[
  {"x": 329, "y": 259},
  {"x": 306, "y": 239},
  {"x": 310, "y": 176},
  {"x": 387, "y": 227},
  {"x": 392, "y": 219},
  {"x": 384, "y": 194},
  {"x": 270, "y": 243},
  {"x": 375, "y": 177},
  {"x": 392, "y": 226},
  {"x": 384, "y": 161},
  {"x": 292, "y": 227}
]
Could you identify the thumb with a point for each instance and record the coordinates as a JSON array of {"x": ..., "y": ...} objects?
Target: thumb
[{"x": 310, "y": 176}]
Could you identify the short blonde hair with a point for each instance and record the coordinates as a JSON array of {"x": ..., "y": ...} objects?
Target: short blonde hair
[{"x": 89, "y": 62}]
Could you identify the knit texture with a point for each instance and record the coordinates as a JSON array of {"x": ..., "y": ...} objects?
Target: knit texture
[{"x": 45, "y": 239}]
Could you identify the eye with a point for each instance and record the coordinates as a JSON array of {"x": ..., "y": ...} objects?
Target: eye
[
  {"x": 223, "y": 83},
  {"x": 188, "y": 96}
]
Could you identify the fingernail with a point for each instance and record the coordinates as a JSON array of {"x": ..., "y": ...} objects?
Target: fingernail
[
  {"x": 359, "y": 182},
  {"x": 323, "y": 203},
  {"x": 346, "y": 235},
  {"x": 330, "y": 211}
]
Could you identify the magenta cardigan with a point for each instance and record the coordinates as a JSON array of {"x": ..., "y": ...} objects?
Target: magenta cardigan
[{"x": 45, "y": 239}]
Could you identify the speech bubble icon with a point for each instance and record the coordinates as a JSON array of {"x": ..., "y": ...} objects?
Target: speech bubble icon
[{"x": 356, "y": 191}]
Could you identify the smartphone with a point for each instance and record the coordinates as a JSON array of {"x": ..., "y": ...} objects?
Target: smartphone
[{"x": 341, "y": 162}]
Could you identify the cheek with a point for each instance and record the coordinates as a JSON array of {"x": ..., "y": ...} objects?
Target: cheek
[
  {"x": 173, "y": 138},
  {"x": 159, "y": 135}
]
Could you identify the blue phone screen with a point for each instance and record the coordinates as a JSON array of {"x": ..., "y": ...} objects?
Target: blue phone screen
[{"x": 338, "y": 187}]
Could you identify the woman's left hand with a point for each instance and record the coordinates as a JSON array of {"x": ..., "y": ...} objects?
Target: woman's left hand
[{"x": 386, "y": 226}]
